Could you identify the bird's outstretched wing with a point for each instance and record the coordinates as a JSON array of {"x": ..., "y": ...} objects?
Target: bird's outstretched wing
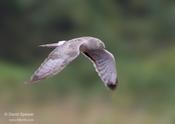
[
  {"x": 105, "y": 66},
  {"x": 56, "y": 61}
]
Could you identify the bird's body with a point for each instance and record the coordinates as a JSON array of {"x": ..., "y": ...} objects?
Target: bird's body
[{"x": 67, "y": 51}]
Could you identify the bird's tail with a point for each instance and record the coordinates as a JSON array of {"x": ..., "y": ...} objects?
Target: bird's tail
[
  {"x": 49, "y": 45},
  {"x": 53, "y": 44}
]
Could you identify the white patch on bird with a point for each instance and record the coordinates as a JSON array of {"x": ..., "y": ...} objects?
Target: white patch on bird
[{"x": 61, "y": 42}]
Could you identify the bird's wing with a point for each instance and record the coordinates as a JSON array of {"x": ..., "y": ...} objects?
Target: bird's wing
[
  {"x": 105, "y": 66},
  {"x": 56, "y": 61}
]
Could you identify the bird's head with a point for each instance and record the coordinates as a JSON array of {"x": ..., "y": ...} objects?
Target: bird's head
[{"x": 95, "y": 43}]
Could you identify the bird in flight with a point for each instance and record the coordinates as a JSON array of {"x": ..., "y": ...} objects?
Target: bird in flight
[{"x": 67, "y": 51}]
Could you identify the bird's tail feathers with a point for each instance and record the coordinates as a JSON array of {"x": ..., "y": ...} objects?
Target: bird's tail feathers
[{"x": 53, "y": 44}]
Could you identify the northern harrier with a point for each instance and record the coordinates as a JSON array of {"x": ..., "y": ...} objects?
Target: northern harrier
[{"x": 67, "y": 51}]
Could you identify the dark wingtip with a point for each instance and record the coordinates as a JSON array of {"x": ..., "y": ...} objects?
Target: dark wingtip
[{"x": 112, "y": 86}]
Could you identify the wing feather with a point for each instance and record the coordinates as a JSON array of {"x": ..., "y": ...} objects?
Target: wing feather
[
  {"x": 56, "y": 61},
  {"x": 105, "y": 66}
]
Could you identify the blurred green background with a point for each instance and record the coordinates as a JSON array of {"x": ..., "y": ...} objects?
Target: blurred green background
[{"x": 140, "y": 34}]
